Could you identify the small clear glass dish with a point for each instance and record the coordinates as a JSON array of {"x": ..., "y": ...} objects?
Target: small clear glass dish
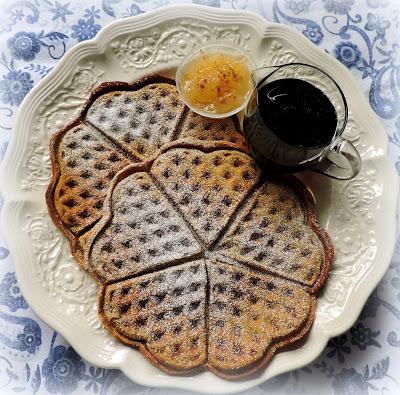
[{"x": 197, "y": 60}]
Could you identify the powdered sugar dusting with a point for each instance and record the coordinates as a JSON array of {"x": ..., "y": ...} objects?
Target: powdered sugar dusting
[
  {"x": 248, "y": 311},
  {"x": 223, "y": 310},
  {"x": 88, "y": 163},
  {"x": 144, "y": 233},
  {"x": 141, "y": 121},
  {"x": 198, "y": 127},
  {"x": 166, "y": 310},
  {"x": 270, "y": 233},
  {"x": 206, "y": 187}
]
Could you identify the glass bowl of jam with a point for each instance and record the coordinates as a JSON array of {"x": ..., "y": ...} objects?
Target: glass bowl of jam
[{"x": 216, "y": 80}]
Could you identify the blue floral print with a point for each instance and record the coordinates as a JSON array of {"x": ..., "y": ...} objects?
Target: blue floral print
[
  {"x": 10, "y": 293},
  {"x": 338, "y": 347},
  {"x": 349, "y": 381},
  {"x": 30, "y": 339},
  {"x": 14, "y": 86},
  {"x": 297, "y": 6},
  {"x": 376, "y": 23},
  {"x": 311, "y": 29},
  {"x": 133, "y": 10},
  {"x": 368, "y": 69},
  {"x": 85, "y": 29},
  {"x": 22, "y": 334},
  {"x": 22, "y": 10},
  {"x": 92, "y": 12},
  {"x": 348, "y": 53},
  {"x": 363, "y": 337},
  {"x": 313, "y": 33},
  {"x": 24, "y": 46},
  {"x": 62, "y": 370},
  {"x": 61, "y": 11},
  {"x": 340, "y": 7},
  {"x": 95, "y": 379}
]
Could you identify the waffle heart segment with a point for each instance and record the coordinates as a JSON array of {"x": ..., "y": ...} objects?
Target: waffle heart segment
[
  {"x": 140, "y": 121},
  {"x": 197, "y": 127},
  {"x": 206, "y": 187},
  {"x": 162, "y": 313},
  {"x": 271, "y": 234},
  {"x": 144, "y": 232},
  {"x": 251, "y": 315},
  {"x": 88, "y": 163}
]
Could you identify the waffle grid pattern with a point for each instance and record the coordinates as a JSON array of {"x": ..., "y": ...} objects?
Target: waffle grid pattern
[
  {"x": 118, "y": 128},
  {"x": 245, "y": 313},
  {"x": 201, "y": 261}
]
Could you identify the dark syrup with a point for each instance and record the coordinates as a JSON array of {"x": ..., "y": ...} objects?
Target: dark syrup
[{"x": 294, "y": 119}]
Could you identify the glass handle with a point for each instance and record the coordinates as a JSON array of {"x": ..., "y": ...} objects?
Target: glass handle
[{"x": 342, "y": 162}]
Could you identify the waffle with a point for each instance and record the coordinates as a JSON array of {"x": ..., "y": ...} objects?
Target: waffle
[
  {"x": 270, "y": 233},
  {"x": 140, "y": 121},
  {"x": 198, "y": 127},
  {"x": 87, "y": 160},
  {"x": 120, "y": 124},
  {"x": 144, "y": 233},
  {"x": 214, "y": 184},
  {"x": 203, "y": 262},
  {"x": 250, "y": 316},
  {"x": 162, "y": 313},
  {"x": 240, "y": 306}
]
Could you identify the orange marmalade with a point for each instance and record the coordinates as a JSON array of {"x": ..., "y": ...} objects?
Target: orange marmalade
[{"x": 216, "y": 83}]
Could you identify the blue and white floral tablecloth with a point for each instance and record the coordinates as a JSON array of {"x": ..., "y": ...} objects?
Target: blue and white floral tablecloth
[{"x": 363, "y": 34}]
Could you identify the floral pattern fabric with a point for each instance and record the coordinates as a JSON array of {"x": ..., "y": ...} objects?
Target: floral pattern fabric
[{"x": 362, "y": 34}]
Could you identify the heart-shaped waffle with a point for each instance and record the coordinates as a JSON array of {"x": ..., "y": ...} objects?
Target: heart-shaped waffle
[
  {"x": 144, "y": 232},
  {"x": 251, "y": 315},
  {"x": 271, "y": 234},
  {"x": 202, "y": 261},
  {"x": 120, "y": 124},
  {"x": 140, "y": 121},
  {"x": 239, "y": 306}
]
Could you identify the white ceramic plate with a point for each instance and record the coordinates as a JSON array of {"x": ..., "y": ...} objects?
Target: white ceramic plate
[{"x": 64, "y": 296}]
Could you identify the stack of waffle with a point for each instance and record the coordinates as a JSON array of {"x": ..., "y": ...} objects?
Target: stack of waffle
[{"x": 203, "y": 261}]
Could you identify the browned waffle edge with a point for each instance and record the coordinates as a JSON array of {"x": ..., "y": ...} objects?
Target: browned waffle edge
[
  {"x": 140, "y": 346},
  {"x": 55, "y": 140},
  {"x": 255, "y": 369},
  {"x": 308, "y": 203}
]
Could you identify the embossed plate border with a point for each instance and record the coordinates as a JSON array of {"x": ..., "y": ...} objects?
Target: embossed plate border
[{"x": 64, "y": 296}]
